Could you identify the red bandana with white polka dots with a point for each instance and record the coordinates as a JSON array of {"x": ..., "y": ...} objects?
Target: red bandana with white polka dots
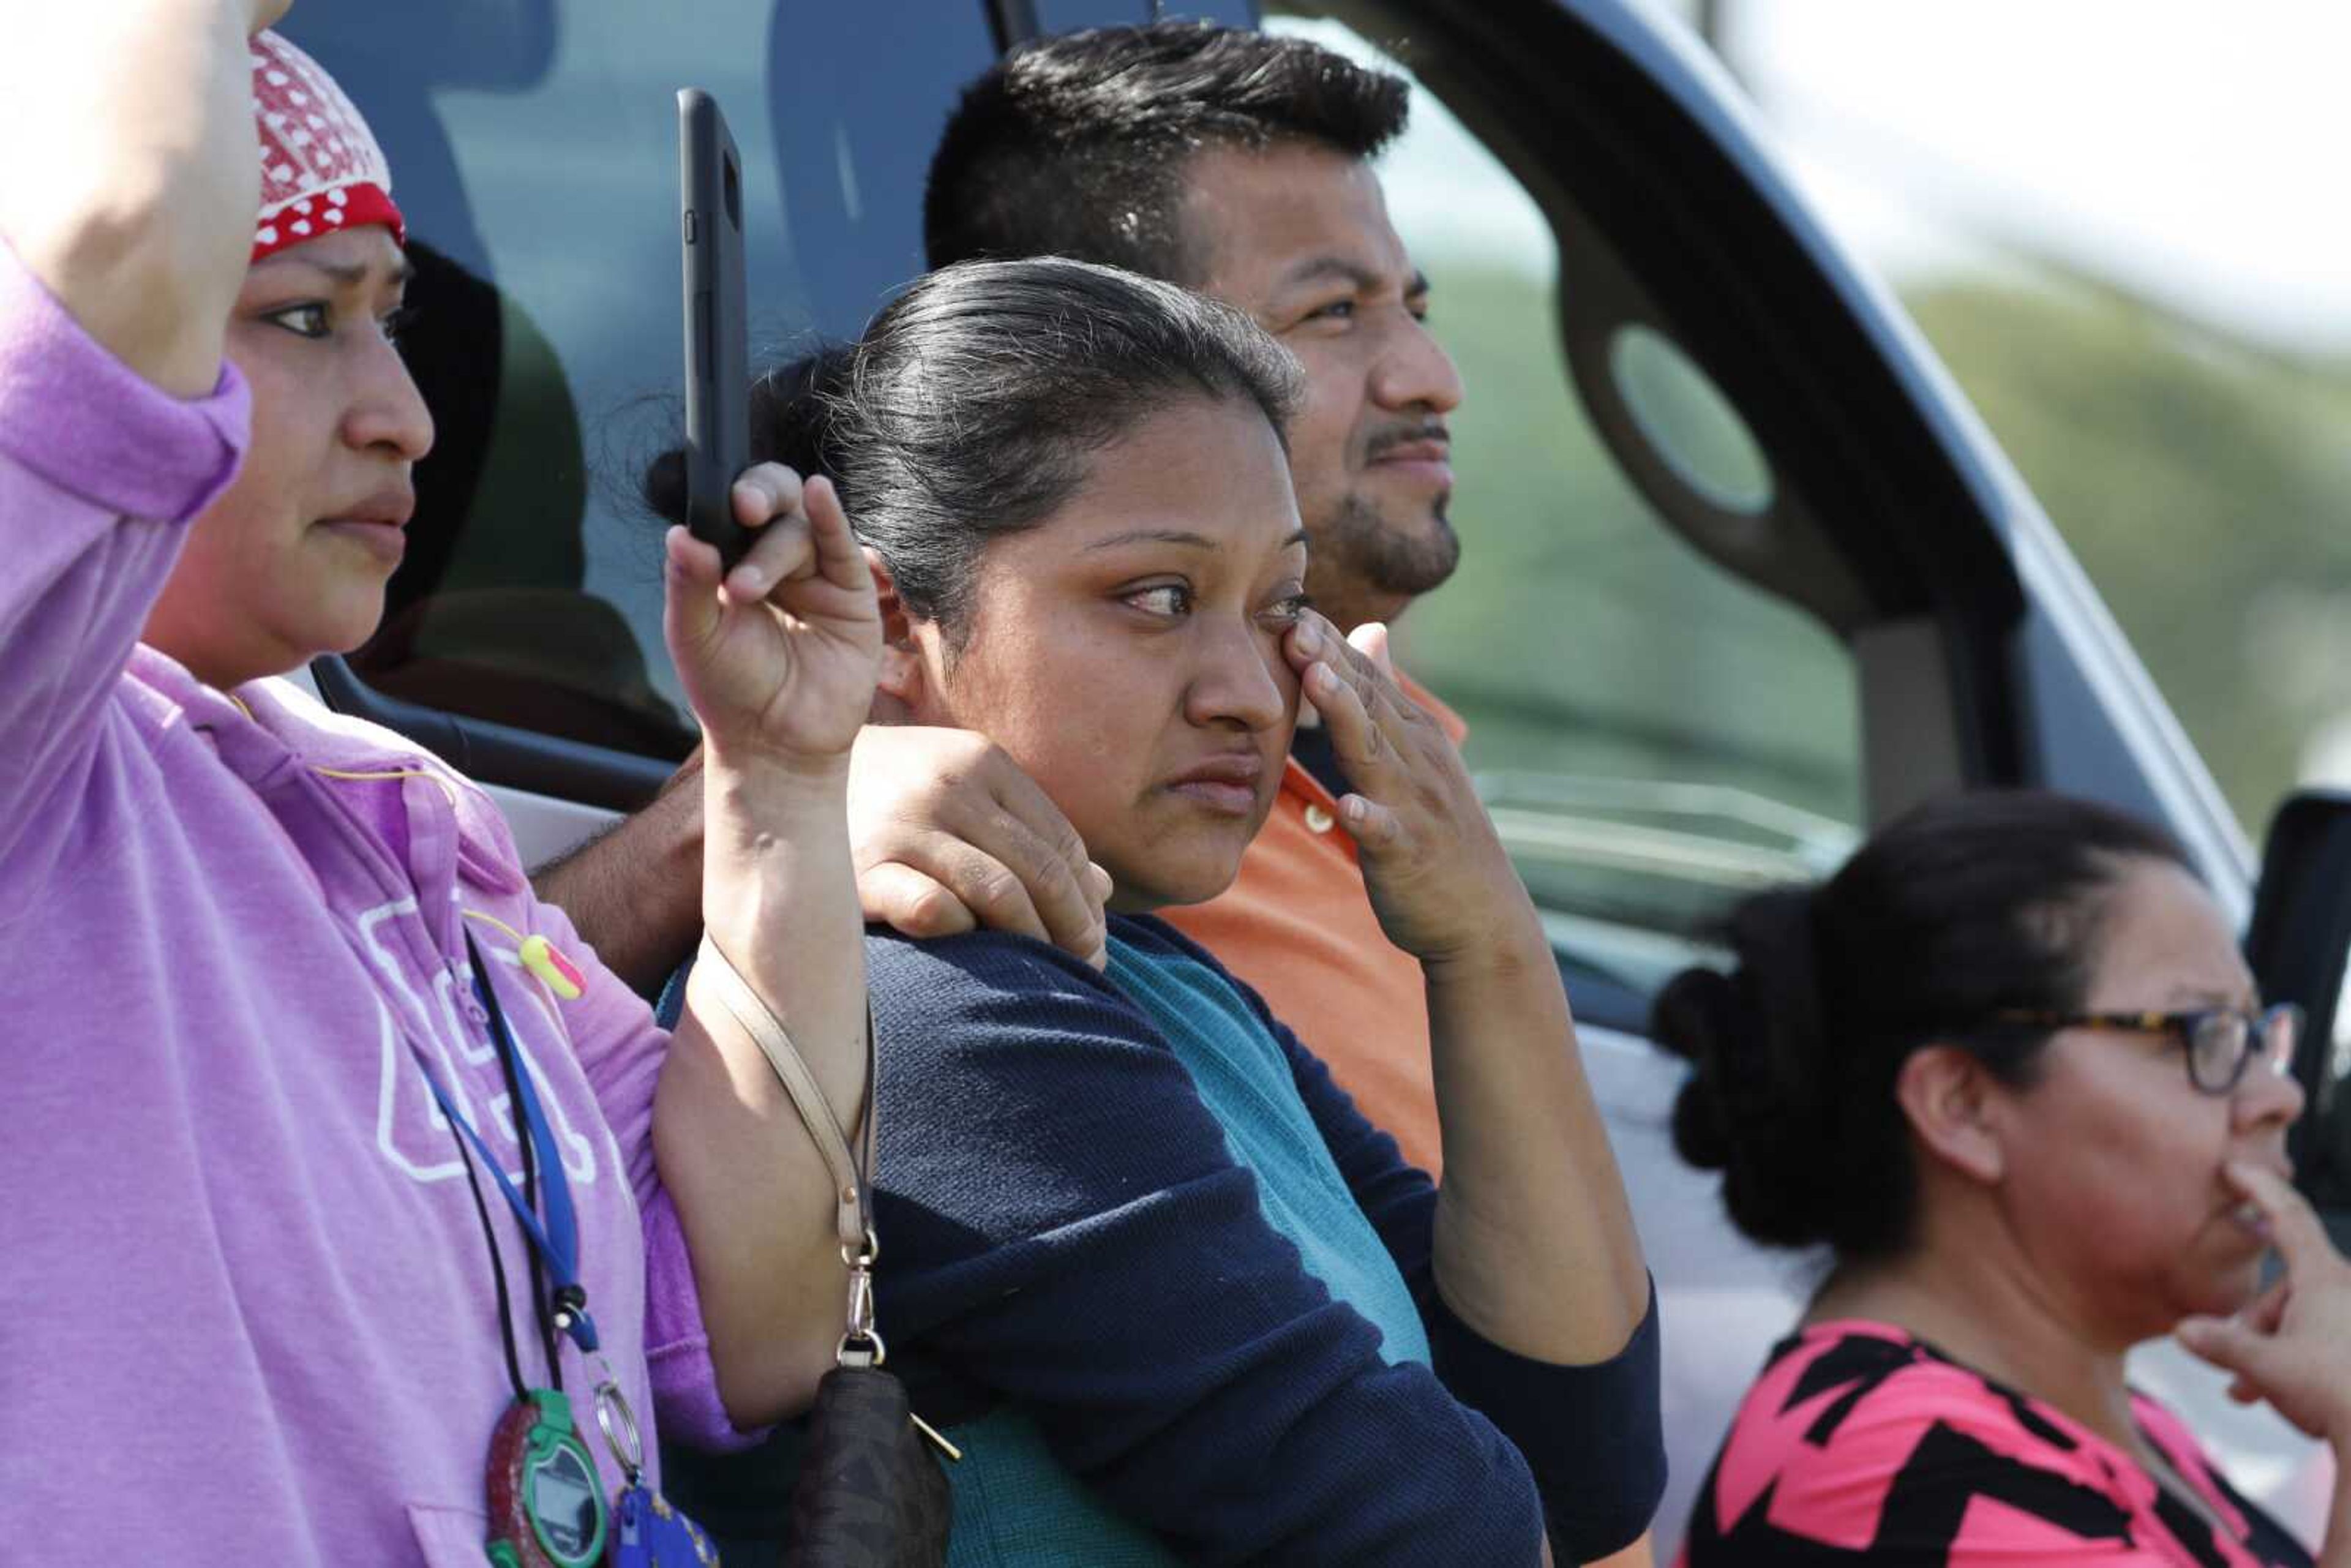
[{"x": 320, "y": 167}]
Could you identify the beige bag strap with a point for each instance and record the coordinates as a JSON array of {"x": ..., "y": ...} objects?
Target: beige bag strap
[
  {"x": 853, "y": 1179},
  {"x": 852, "y": 1176}
]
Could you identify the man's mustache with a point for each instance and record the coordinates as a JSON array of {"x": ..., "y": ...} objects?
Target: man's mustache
[{"x": 1387, "y": 440}]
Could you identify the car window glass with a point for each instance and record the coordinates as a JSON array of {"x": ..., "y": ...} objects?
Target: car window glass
[
  {"x": 534, "y": 150},
  {"x": 1066, "y": 16},
  {"x": 1655, "y": 737}
]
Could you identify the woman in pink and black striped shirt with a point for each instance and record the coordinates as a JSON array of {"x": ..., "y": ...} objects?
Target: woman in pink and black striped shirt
[{"x": 2008, "y": 1070}]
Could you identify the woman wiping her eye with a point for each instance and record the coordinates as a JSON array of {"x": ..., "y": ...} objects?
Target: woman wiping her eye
[
  {"x": 343, "y": 1188},
  {"x": 1173, "y": 1298}
]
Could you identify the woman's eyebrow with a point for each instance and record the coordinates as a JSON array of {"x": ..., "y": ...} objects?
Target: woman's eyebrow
[
  {"x": 1183, "y": 537},
  {"x": 345, "y": 274}
]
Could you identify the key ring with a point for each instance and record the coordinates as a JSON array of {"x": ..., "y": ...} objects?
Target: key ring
[{"x": 611, "y": 1410}]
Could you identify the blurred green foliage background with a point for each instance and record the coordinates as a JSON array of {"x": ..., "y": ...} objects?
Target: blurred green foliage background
[
  {"x": 2202, "y": 480},
  {"x": 1579, "y": 636}
]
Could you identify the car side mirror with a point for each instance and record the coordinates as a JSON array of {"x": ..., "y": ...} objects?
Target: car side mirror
[{"x": 2297, "y": 947}]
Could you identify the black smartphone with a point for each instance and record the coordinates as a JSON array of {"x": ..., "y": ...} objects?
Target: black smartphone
[{"x": 717, "y": 334}]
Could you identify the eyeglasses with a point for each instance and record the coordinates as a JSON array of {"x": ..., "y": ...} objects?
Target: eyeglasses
[{"x": 2220, "y": 1042}]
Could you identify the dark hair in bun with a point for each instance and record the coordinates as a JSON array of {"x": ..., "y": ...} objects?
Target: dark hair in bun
[{"x": 1949, "y": 915}]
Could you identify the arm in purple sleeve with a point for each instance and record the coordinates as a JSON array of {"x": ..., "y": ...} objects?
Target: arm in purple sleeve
[{"x": 99, "y": 471}]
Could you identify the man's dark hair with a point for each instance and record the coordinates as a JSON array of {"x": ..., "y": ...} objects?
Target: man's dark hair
[{"x": 1077, "y": 145}]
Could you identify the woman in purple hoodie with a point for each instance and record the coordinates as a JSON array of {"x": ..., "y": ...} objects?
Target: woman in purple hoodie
[{"x": 339, "y": 1183}]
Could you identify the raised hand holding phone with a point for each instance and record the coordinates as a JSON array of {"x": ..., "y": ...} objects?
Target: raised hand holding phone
[
  {"x": 778, "y": 653},
  {"x": 772, "y": 614},
  {"x": 771, "y": 618}
]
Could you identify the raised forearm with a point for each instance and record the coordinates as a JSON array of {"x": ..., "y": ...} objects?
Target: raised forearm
[
  {"x": 779, "y": 898},
  {"x": 634, "y": 894},
  {"x": 132, "y": 183},
  {"x": 752, "y": 1193},
  {"x": 1534, "y": 1243}
]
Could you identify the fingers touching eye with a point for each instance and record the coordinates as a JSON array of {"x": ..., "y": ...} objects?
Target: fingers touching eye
[{"x": 1289, "y": 609}]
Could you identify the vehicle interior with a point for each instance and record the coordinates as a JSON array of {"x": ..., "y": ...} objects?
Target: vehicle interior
[{"x": 1738, "y": 581}]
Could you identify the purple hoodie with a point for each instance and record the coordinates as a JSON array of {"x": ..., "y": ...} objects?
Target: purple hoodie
[{"x": 246, "y": 1312}]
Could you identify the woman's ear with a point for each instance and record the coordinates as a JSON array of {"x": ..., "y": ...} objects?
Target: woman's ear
[
  {"x": 902, "y": 683},
  {"x": 1951, "y": 1100}
]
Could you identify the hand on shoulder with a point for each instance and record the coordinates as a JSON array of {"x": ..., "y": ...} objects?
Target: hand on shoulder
[{"x": 950, "y": 835}]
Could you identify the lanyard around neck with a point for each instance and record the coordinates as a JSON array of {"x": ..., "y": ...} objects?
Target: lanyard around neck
[{"x": 555, "y": 1242}]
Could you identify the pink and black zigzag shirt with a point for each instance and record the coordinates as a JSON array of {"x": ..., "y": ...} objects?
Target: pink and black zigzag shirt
[{"x": 1862, "y": 1444}]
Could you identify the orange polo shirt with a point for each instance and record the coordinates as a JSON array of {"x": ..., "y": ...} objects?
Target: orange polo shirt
[{"x": 1298, "y": 926}]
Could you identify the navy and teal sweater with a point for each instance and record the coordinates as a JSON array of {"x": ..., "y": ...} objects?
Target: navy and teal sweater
[{"x": 1175, "y": 1294}]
